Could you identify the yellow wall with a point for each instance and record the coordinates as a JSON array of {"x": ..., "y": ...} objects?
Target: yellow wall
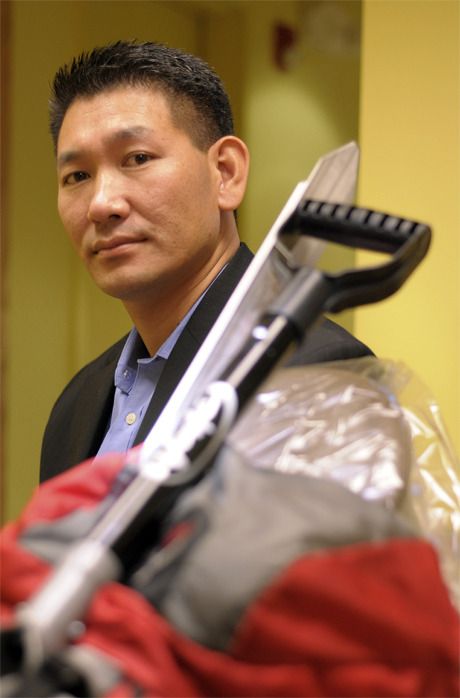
[
  {"x": 409, "y": 136},
  {"x": 293, "y": 117},
  {"x": 55, "y": 319}
]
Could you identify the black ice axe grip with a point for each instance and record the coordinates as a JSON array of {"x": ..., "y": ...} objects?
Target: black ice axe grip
[{"x": 407, "y": 242}]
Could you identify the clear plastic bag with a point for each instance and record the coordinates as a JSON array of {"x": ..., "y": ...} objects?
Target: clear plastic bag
[{"x": 371, "y": 425}]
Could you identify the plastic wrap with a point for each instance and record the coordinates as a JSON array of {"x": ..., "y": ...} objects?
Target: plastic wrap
[{"x": 370, "y": 425}]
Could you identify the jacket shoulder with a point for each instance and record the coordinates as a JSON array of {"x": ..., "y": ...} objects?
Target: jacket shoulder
[
  {"x": 79, "y": 415},
  {"x": 107, "y": 357},
  {"x": 328, "y": 341}
]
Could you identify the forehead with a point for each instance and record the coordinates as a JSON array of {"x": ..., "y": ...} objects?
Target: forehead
[{"x": 123, "y": 108}]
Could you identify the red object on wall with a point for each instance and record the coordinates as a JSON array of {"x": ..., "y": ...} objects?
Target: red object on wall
[{"x": 284, "y": 39}]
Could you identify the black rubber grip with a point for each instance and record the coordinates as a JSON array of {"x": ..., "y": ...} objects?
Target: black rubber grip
[
  {"x": 353, "y": 226},
  {"x": 406, "y": 241}
]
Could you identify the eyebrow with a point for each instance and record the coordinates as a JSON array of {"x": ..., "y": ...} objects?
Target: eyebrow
[{"x": 124, "y": 134}]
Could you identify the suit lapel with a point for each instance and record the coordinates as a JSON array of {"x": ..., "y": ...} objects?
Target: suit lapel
[
  {"x": 92, "y": 414},
  {"x": 193, "y": 336}
]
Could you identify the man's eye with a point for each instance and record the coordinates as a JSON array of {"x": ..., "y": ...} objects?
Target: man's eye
[
  {"x": 137, "y": 159},
  {"x": 75, "y": 177}
]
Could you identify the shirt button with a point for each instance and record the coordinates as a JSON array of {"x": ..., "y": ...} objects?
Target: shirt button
[{"x": 130, "y": 418}]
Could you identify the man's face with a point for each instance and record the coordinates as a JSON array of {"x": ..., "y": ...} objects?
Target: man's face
[{"x": 136, "y": 196}]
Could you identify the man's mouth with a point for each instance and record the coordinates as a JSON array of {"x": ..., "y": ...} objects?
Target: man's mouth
[{"x": 117, "y": 243}]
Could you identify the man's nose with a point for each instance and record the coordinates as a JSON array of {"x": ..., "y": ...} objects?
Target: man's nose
[{"x": 108, "y": 199}]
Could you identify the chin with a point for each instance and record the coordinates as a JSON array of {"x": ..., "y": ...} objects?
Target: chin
[{"x": 128, "y": 290}]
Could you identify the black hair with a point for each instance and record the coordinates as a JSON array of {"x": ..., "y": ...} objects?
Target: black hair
[{"x": 196, "y": 95}]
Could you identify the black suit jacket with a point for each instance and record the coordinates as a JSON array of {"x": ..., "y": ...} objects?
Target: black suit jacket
[{"x": 81, "y": 415}]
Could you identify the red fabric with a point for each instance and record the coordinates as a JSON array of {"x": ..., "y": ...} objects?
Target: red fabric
[
  {"x": 81, "y": 487},
  {"x": 371, "y": 619},
  {"x": 367, "y": 620}
]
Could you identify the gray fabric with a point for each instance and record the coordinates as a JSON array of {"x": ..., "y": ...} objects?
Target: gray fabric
[
  {"x": 101, "y": 674},
  {"x": 51, "y": 540},
  {"x": 258, "y": 522}
]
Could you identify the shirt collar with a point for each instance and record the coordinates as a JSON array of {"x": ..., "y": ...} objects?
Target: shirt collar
[{"x": 134, "y": 352}]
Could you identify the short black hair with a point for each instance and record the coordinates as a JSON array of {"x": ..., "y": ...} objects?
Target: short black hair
[{"x": 197, "y": 98}]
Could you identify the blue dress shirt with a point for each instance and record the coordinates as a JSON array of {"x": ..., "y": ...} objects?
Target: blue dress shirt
[{"x": 136, "y": 377}]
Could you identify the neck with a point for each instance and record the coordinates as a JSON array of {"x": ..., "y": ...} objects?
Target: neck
[{"x": 156, "y": 315}]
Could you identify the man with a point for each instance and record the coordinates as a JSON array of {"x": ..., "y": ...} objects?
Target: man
[{"x": 149, "y": 177}]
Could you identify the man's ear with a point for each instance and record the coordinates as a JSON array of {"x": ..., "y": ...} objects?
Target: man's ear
[{"x": 231, "y": 160}]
